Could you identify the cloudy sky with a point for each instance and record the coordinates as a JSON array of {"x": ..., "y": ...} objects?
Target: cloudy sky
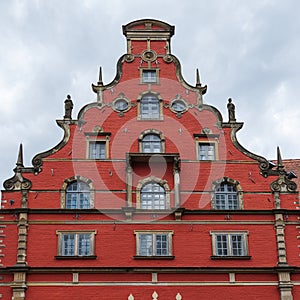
[{"x": 246, "y": 50}]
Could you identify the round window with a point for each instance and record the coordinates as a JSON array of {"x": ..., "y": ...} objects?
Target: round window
[
  {"x": 178, "y": 106},
  {"x": 120, "y": 104}
]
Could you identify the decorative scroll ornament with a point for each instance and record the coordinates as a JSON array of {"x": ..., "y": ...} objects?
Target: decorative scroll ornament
[
  {"x": 149, "y": 55},
  {"x": 283, "y": 183},
  {"x": 168, "y": 58},
  {"x": 129, "y": 58},
  {"x": 18, "y": 182}
]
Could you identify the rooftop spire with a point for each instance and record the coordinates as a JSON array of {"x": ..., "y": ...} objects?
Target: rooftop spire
[
  {"x": 279, "y": 159},
  {"x": 198, "y": 83},
  {"x": 100, "y": 81},
  {"x": 20, "y": 157}
]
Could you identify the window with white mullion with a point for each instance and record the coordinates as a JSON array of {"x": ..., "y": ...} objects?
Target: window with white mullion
[
  {"x": 76, "y": 244},
  {"x": 207, "y": 151},
  {"x": 228, "y": 244},
  {"x": 237, "y": 245},
  {"x": 97, "y": 150},
  {"x": 84, "y": 244},
  {"x": 161, "y": 244},
  {"x": 78, "y": 195},
  {"x": 149, "y": 76},
  {"x": 222, "y": 245},
  {"x": 153, "y": 196},
  {"x": 226, "y": 197},
  {"x": 154, "y": 245},
  {"x": 151, "y": 143},
  {"x": 150, "y": 107},
  {"x": 68, "y": 245}
]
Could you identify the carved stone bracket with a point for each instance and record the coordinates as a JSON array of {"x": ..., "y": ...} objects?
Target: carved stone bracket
[
  {"x": 283, "y": 184},
  {"x": 17, "y": 183}
]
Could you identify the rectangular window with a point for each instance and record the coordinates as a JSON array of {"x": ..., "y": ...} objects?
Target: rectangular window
[
  {"x": 206, "y": 151},
  {"x": 149, "y": 76},
  {"x": 75, "y": 243},
  {"x": 232, "y": 244},
  {"x": 153, "y": 244},
  {"x": 97, "y": 150}
]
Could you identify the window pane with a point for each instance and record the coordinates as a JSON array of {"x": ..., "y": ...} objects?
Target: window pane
[
  {"x": 149, "y": 76},
  {"x": 84, "y": 244},
  {"x": 237, "y": 245},
  {"x": 226, "y": 197},
  {"x": 97, "y": 150},
  {"x": 151, "y": 143},
  {"x": 149, "y": 107},
  {"x": 161, "y": 244},
  {"x": 78, "y": 195},
  {"x": 68, "y": 244},
  {"x": 146, "y": 244},
  {"x": 153, "y": 196},
  {"x": 222, "y": 245},
  {"x": 206, "y": 151}
]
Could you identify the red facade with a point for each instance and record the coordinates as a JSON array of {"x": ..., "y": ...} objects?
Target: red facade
[{"x": 149, "y": 195}]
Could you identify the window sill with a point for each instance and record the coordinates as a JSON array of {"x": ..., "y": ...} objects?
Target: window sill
[
  {"x": 75, "y": 257},
  {"x": 215, "y": 257},
  {"x": 154, "y": 257}
]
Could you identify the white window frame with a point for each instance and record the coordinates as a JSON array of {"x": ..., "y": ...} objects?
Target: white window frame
[
  {"x": 229, "y": 197},
  {"x": 77, "y": 196},
  {"x": 153, "y": 243},
  {"x": 153, "y": 143},
  {"x": 230, "y": 244},
  {"x": 150, "y": 104},
  {"x": 98, "y": 153},
  {"x": 154, "y": 197},
  {"x": 76, "y": 234},
  {"x": 206, "y": 144},
  {"x": 208, "y": 147},
  {"x": 152, "y": 76}
]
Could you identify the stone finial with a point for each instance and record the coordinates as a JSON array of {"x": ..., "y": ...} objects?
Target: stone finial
[
  {"x": 100, "y": 81},
  {"x": 279, "y": 159},
  {"x": 231, "y": 111},
  {"x": 68, "y": 107},
  {"x": 198, "y": 83},
  {"x": 20, "y": 157},
  {"x": 18, "y": 182}
]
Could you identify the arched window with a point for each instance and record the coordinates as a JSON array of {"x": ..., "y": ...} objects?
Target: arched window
[
  {"x": 226, "y": 197},
  {"x": 153, "y": 196},
  {"x": 149, "y": 107},
  {"x": 151, "y": 143},
  {"x": 78, "y": 195}
]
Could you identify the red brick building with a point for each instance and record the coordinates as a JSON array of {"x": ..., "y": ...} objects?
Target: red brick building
[{"x": 149, "y": 195}]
